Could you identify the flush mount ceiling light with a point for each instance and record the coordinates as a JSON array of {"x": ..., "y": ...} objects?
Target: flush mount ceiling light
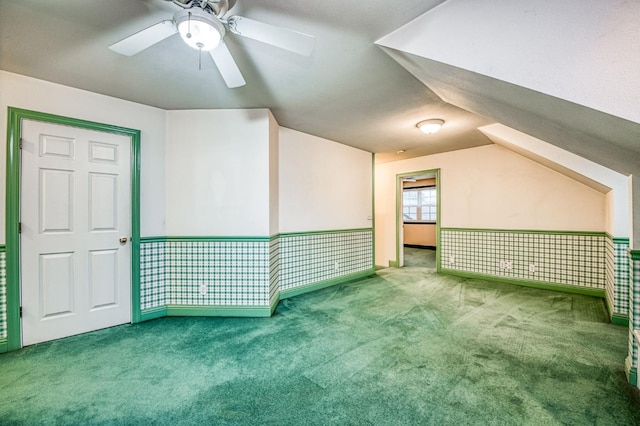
[
  {"x": 430, "y": 126},
  {"x": 199, "y": 29}
]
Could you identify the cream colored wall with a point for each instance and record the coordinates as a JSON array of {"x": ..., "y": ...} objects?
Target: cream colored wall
[
  {"x": 218, "y": 173},
  {"x": 28, "y": 93},
  {"x": 420, "y": 234},
  {"x": 490, "y": 187},
  {"x": 324, "y": 185}
]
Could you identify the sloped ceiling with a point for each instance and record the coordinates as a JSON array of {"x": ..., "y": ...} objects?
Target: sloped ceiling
[{"x": 564, "y": 72}]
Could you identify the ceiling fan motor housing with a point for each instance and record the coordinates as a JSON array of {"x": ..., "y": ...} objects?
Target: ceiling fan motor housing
[{"x": 199, "y": 29}]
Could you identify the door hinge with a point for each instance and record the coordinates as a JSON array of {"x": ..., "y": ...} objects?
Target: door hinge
[
  {"x": 20, "y": 311},
  {"x": 19, "y": 227},
  {"x": 20, "y": 144}
]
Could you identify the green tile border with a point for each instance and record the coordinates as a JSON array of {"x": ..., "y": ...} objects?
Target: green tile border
[
  {"x": 596, "y": 292},
  {"x": 333, "y": 231},
  {"x": 527, "y": 231},
  {"x": 205, "y": 239},
  {"x": 12, "y": 212},
  {"x": 634, "y": 254},
  {"x": 296, "y": 291}
]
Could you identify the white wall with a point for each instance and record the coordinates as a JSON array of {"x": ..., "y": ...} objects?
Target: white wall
[
  {"x": 38, "y": 95},
  {"x": 584, "y": 51},
  {"x": 616, "y": 185},
  {"x": 323, "y": 185},
  {"x": 490, "y": 187},
  {"x": 218, "y": 173},
  {"x": 274, "y": 176}
]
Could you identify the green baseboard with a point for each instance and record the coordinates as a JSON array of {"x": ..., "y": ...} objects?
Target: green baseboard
[
  {"x": 619, "y": 319},
  {"x": 394, "y": 264},
  {"x": 285, "y": 294},
  {"x": 595, "y": 292},
  {"x": 218, "y": 311},
  {"x": 4, "y": 346},
  {"x": 631, "y": 372},
  {"x": 153, "y": 313},
  {"x": 209, "y": 311}
]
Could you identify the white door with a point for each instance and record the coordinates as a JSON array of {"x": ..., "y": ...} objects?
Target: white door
[{"x": 75, "y": 206}]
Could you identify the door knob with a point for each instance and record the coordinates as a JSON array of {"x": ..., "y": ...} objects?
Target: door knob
[{"x": 123, "y": 241}]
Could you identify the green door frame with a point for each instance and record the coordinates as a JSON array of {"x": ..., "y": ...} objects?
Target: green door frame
[
  {"x": 12, "y": 212},
  {"x": 399, "y": 177}
]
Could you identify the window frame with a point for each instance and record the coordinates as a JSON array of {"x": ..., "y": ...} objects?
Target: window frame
[{"x": 420, "y": 205}]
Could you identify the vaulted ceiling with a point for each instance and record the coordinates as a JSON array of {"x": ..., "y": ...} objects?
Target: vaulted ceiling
[{"x": 352, "y": 90}]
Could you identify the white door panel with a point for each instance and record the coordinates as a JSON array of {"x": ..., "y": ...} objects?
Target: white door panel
[{"x": 75, "y": 206}]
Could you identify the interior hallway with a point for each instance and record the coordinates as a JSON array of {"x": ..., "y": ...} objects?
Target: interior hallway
[{"x": 406, "y": 346}]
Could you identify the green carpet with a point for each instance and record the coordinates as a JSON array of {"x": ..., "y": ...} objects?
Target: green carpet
[{"x": 406, "y": 346}]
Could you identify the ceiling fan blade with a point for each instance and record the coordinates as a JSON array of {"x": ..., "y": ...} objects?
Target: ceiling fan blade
[
  {"x": 145, "y": 38},
  {"x": 283, "y": 38},
  {"x": 227, "y": 66}
]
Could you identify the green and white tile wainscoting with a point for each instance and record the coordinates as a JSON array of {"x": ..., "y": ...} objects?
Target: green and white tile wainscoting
[
  {"x": 215, "y": 276},
  {"x": 246, "y": 276},
  {"x": 313, "y": 260},
  {"x": 568, "y": 261},
  {"x": 631, "y": 364},
  {"x": 618, "y": 279}
]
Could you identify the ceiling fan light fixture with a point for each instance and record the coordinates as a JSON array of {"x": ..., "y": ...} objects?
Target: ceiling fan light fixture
[
  {"x": 199, "y": 29},
  {"x": 430, "y": 126}
]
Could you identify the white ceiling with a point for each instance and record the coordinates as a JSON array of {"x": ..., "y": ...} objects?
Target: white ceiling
[{"x": 350, "y": 90}]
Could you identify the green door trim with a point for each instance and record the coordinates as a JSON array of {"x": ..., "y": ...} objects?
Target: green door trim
[{"x": 12, "y": 215}]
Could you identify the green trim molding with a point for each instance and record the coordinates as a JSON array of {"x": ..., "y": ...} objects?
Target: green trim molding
[
  {"x": 596, "y": 292},
  {"x": 333, "y": 231},
  {"x": 634, "y": 254},
  {"x": 221, "y": 311},
  {"x": 618, "y": 240},
  {"x": 618, "y": 319},
  {"x": 204, "y": 239},
  {"x": 631, "y": 372},
  {"x": 15, "y": 117},
  {"x": 525, "y": 231},
  {"x": 153, "y": 313}
]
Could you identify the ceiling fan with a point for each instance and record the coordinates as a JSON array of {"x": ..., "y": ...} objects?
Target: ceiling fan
[{"x": 202, "y": 24}]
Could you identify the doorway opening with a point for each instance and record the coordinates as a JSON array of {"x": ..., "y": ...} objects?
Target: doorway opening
[{"x": 418, "y": 218}]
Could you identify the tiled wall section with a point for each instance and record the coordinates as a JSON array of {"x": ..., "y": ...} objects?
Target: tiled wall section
[
  {"x": 207, "y": 273},
  {"x": 247, "y": 273},
  {"x": 218, "y": 273},
  {"x": 312, "y": 258},
  {"x": 559, "y": 258},
  {"x": 3, "y": 293},
  {"x": 274, "y": 270},
  {"x": 152, "y": 275},
  {"x": 634, "y": 312},
  {"x": 618, "y": 275}
]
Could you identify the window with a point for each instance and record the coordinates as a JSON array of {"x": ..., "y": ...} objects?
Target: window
[{"x": 419, "y": 204}]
